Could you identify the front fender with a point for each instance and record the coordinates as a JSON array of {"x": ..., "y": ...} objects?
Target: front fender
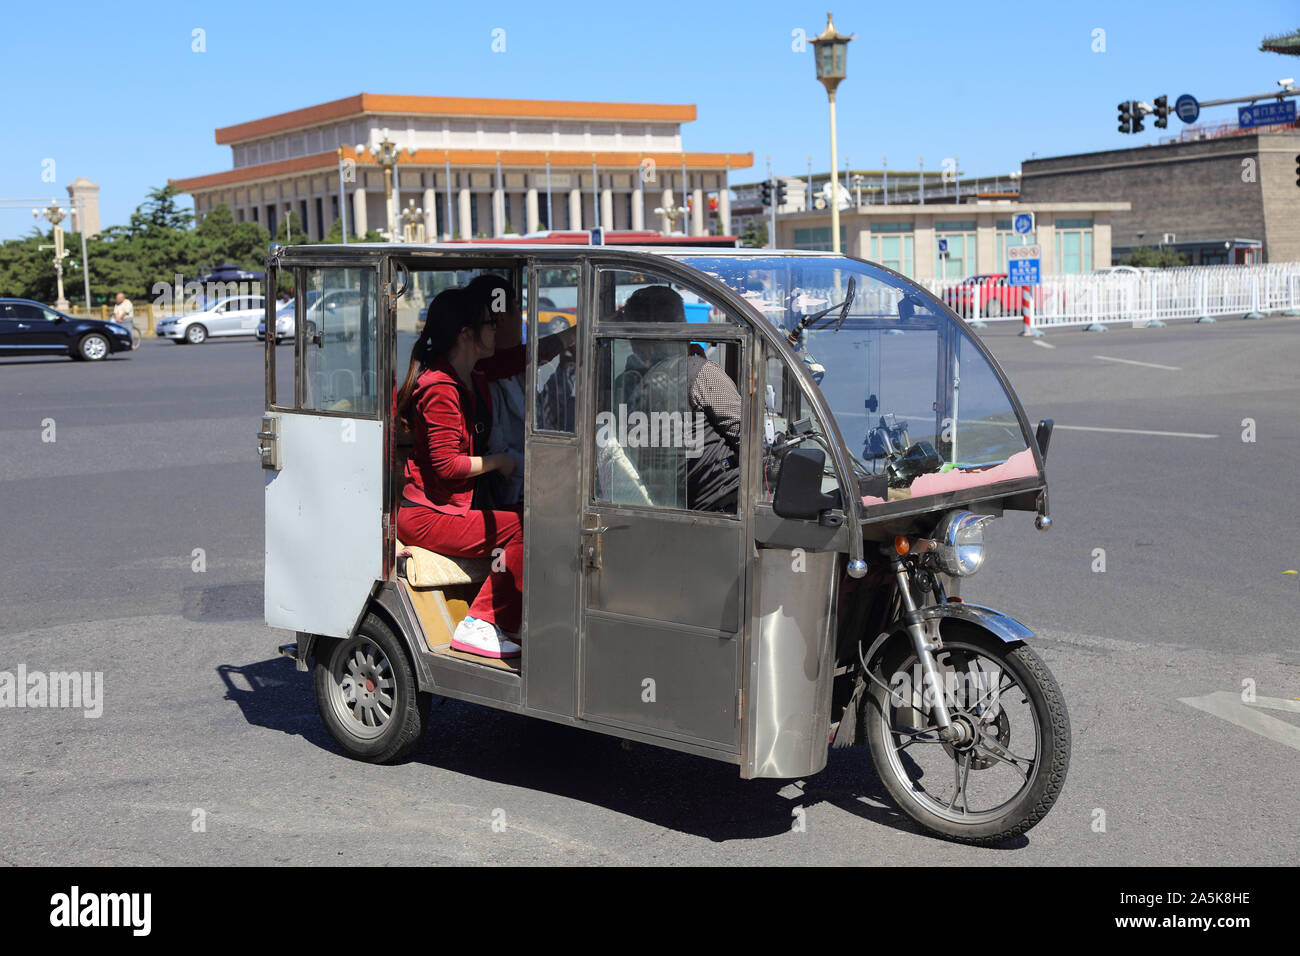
[{"x": 1002, "y": 626}]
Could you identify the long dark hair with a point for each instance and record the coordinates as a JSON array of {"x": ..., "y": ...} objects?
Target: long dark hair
[{"x": 450, "y": 311}]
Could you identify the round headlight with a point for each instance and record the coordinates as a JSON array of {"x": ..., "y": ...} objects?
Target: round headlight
[{"x": 961, "y": 542}]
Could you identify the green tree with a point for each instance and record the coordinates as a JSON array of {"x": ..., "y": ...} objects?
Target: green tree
[
  {"x": 221, "y": 240},
  {"x": 1152, "y": 258},
  {"x": 754, "y": 235}
]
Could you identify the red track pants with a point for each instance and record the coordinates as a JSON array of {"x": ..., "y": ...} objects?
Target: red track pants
[{"x": 476, "y": 534}]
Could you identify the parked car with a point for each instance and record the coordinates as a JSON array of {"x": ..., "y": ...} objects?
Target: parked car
[
  {"x": 284, "y": 318},
  {"x": 29, "y": 328},
  {"x": 1120, "y": 271},
  {"x": 232, "y": 316},
  {"x": 995, "y": 296}
]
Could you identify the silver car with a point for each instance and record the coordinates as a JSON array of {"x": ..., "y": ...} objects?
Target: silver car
[{"x": 223, "y": 318}]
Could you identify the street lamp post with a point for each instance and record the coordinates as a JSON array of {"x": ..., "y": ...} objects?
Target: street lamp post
[
  {"x": 412, "y": 223},
  {"x": 55, "y": 215},
  {"x": 386, "y": 153},
  {"x": 829, "y": 51}
]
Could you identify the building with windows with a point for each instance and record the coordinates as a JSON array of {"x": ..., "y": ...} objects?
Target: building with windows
[
  {"x": 955, "y": 240},
  {"x": 475, "y": 167},
  {"x": 1216, "y": 195}
]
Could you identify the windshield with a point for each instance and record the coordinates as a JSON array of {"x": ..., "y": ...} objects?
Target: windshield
[{"x": 920, "y": 407}]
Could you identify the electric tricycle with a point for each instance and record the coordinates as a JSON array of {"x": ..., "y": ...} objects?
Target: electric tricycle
[{"x": 869, "y": 439}]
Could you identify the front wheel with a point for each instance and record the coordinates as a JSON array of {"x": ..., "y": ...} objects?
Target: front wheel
[
  {"x": 196, "y": 334},
  {"x": 92, "y": 347},
  {"x": 1005, "y": 772},
  {"x": 367, "y": 694}
]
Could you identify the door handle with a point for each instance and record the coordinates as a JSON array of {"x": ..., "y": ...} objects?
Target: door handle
[{"x": 591, "y": 547}]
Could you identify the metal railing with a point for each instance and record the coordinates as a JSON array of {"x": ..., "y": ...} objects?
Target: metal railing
[{"x": 1193, "y": 292}]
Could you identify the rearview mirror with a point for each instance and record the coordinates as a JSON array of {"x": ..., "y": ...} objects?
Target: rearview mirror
[{"x": 799, "y": 487}]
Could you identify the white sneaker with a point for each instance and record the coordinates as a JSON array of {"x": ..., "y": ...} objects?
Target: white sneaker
[{"x": 475, "y": 636}]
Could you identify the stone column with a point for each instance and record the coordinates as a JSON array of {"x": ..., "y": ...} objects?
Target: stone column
[
  {"x": 666, "y": 203},
  {"x": 575, "y": 207},
  {"x": 430, "y": 204},
  {"x": 697, "y": 212},
  {"x": 532, "y": 223},
  {"x": 724, "y": 208},
  {"x": 638, "y": 207},
  {"x": 607, "y": 208},
  {"x": 313, "y": 227},
  {"x": 498, "y": 211},
  {"x": 359, "y": 224},
  {"x": 463, "y": 218}
]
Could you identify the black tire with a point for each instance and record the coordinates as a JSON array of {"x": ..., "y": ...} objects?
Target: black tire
[
  {"x": 196, "y": 334},
  {"x": 92, "y": 348},
  {"x": 994, "y": 308},
  {"x": 1051, "y": 731},
  {"x": 358, "y": 729}
]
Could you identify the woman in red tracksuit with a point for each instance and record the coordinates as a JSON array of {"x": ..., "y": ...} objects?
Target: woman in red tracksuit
[{"x": 444, "y": 402}]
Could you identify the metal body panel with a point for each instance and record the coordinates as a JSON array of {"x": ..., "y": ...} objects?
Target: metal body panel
[
  {"x": 679, "y": 569},
  {"x": 324, "y": 523},
  {"x": 552, "y": 574},
  {"x": 675, "y": 681},
  {"x": 792, "y": 663}
]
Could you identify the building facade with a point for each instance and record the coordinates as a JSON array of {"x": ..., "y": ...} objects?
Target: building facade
[
  {"x": 955, "y": 240},
  {"x": 1233, "y": 198},
  {"x": 473, "y": 167}
]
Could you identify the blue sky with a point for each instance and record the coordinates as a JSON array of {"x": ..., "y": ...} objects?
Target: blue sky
[{"x": 991, "y": 83}]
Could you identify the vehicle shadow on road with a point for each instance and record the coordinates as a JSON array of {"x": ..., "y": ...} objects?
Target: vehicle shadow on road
[{"x": 678, "y": 791}]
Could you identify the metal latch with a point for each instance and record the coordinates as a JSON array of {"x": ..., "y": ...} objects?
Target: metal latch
[
  {"x": 592, "y": 530},
  {"x": 269, "y": 443}
]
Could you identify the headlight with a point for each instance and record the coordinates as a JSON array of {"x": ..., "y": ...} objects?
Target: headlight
[{"x": 960, "y": 535}]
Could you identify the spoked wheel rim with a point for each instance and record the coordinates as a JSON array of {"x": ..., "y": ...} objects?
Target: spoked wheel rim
[
  {"x": 94, "y": 348},
  {"x": 195, "y": 334},
  {"x": 998, "y": 759},
  {"x": 361, "y": 688}
]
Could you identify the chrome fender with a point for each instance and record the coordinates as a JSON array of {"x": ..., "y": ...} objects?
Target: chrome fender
[{"x": 1002, "y": 626}]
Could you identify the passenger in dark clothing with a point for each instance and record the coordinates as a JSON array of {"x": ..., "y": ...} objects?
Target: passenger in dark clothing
[{"x": 676, "y": 377}]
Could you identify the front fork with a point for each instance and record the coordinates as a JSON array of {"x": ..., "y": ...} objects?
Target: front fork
[{"x": 924, "y": 649}]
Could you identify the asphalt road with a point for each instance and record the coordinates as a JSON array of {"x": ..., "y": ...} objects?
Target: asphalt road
[{"x": 153, "y": 458}]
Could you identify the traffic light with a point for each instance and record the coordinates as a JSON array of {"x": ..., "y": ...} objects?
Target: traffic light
[
  {"x": 1126, "y": 117},
  {"x": 1297, "y": 170},
  {"x": 780, "y": 192},
  {"x": 767, "y": 193},
  {"x": 1137, "y": 117},
  {"x": 1162, "y": 112}
]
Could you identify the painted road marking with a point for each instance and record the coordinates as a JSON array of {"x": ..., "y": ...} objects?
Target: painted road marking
[
  {"x": 1043, "y": 345},
  {"x": 1135, "y": 431},
  {"x": 1228, "y": 706},
  {"x": 1167, "y": 368}
]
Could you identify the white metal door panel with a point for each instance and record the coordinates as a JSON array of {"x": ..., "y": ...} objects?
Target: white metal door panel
[{"x": 324, "y": 523}]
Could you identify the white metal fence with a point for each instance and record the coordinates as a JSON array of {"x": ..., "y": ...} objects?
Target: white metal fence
[{"x": 1191, "y": 292}]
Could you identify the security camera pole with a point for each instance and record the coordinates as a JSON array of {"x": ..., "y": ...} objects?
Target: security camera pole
[{"x": 55, "y": 215}]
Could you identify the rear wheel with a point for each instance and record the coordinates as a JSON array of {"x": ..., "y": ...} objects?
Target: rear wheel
[
  {"x": 993, "y": 309},
  {"x": 368, "y": 696},
  {"x": 1005, "y": 772}
]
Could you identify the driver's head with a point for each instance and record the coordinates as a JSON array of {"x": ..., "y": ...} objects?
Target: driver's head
[{"x": 654, "y": 303}]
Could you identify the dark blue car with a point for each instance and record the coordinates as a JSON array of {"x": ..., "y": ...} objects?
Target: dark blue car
[{"x": 29, "y": 328}]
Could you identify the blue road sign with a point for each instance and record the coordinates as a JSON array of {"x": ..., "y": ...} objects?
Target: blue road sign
[
  {"x": 1023, "y": 265},
  {"x": 1187, "y": 108},
  {"x": 1266, "y": 114},
  {"x": 1023, "y": 223},
  {"x": 943, "y": 247},
  {"x": 1023, "y": 272}
]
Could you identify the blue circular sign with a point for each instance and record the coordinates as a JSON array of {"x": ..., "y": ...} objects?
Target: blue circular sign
[
  {"x": 1024, "y": 223},
  {"x": 1187, "y": 108}
]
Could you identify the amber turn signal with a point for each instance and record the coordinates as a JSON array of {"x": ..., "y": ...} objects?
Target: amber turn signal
[{"x": 901, "y": 545}]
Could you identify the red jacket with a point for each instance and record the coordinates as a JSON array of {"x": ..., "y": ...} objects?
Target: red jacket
[{"x": 442, "y": 430}]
